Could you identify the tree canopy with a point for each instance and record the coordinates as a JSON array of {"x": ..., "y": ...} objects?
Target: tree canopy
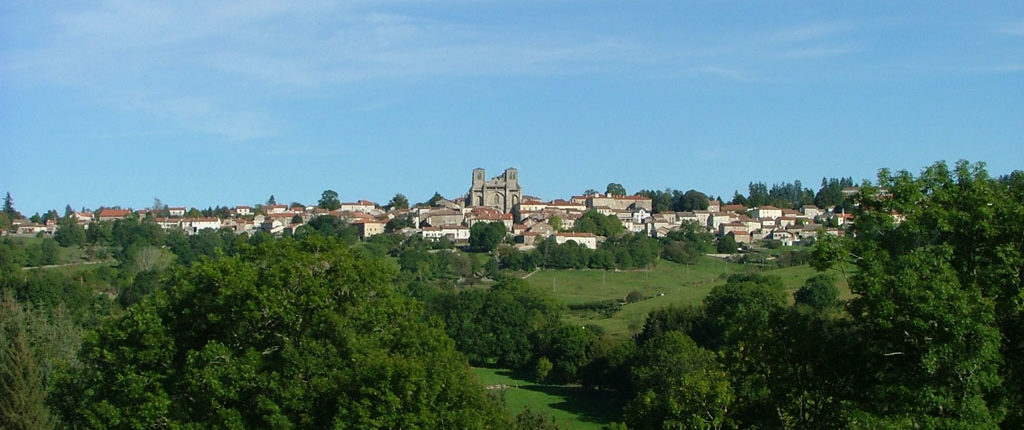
[
  {"x": 399, "y": 201},
  {"x": 329, "y": 200},
  {"x": 290, "y": 334},
  {"x": 485, "y": 236},
  {"x": 615, "y": 189}
]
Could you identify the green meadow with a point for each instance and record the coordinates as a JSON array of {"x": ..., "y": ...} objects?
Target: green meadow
[
  {"x": 571, "y": 406},
  {"x": 661, "y": 285}
]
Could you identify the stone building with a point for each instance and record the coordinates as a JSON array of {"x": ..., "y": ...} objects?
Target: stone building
[{"x": 501, "y": 192}]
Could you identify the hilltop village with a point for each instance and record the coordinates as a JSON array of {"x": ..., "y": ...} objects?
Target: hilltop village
[{"x": 501, "y": 199}]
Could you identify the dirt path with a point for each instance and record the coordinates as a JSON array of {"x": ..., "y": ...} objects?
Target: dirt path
[{"x": 52, "y": 266}]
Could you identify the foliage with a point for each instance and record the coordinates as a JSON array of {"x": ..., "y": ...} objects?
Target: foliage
[
  {"x": 601, "y": 225},
  {"x": 555, "y": 223},
  {"x": 605, "y": 308},
  {"x": 485, "y": 237},
  {"x": 398, "y": 223},
  {"x": 434, "y": 200},
  {"x": 33, "y": 346},
  {"x": 330, "y": 226},
  {"x": 500, "y": 325},
  {"x": 615, "y": 189},
  {"x": 938, "y": 298},
  {"x": 819, "y": 293},
  {"x": 399, "y": 201},
  {"x": 687, "y": 243},
  {"x": 679, "y": 385},
  {"x": 48, "y": 252},
  {"x": 831, "y": 192},
  {"x": 329, "y": 200},
  {"x": 69, "y": 233},
  {"x": 288, "y": 334},
  {"x": 529, "y": 419},
  {"x": 727, "y": 245},
  {"x": 9, "y": 210},
  {"x": 784, "y": 195}
]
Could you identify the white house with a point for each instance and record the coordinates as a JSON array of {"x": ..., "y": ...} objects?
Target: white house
[
  {"x": 168, "y": 223},
  {"x": 719, "y": 218},
  {"x": 585, "y": 239},
  {"x": 363, "y": 206},
  {"x": 763, "y": 212},
  {"x": 455, "y": 233},
  {"x": 195, "y": 225}
]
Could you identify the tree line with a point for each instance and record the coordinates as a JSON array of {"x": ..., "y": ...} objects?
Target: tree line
[{"x": 319, "y": 330}]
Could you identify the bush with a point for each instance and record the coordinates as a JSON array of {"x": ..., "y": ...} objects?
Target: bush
[
  {"x": 541, "y": 369},
  {"x": 634, "y": 296},
  {"x": 819, "y": 292}
]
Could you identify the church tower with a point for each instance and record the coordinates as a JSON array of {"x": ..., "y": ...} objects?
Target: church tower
[
  {"x": 501, "y": 192},
  {"x": 476, "y": 191}
]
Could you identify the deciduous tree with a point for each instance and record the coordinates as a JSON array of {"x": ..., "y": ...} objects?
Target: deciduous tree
[
  {"x": 291, "y": 334},
  {"x": 329, "y": 200}
]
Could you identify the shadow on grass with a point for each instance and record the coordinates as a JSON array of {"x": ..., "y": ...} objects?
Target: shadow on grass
[{"x": 591, "y": 406}]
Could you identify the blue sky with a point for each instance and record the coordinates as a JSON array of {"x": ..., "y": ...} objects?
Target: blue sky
[{"x": 205, "y": 103}]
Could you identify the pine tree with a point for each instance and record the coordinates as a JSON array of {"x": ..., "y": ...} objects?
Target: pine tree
[{"x": 22, "y": 405}]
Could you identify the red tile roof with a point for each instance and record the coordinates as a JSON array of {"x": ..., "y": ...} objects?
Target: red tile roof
[{"x": 114, "y": 213}]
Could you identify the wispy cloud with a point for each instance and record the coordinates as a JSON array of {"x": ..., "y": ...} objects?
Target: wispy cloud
[
  {"x": 816, "y": 40},
  {"x": 812, "y": 32},
  {"x": 207, "y": 54}
]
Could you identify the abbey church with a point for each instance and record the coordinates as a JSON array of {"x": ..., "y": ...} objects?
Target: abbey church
[{"x": 501, "y": 192}]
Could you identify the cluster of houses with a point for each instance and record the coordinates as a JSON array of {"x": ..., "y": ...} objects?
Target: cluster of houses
[{"x": 529, "y": 221}]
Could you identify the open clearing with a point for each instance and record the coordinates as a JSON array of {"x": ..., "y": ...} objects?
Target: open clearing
[
  {"x": 570, "y": 405},
  {"x": 662, "y": 285}
]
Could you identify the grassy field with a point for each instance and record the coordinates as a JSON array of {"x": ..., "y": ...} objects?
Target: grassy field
[
  {"x": 571, "y": 406},
  {"x": 69, "y": 255},
  {"x": 665, "y": 284}
]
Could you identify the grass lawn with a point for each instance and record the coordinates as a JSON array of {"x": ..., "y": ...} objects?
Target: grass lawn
[
  {"x": 569, "y": 405},
  {"x": 666, "y": 284}
]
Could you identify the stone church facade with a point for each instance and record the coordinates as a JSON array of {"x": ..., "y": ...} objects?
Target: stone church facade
[{"x": 501, "y": 192}]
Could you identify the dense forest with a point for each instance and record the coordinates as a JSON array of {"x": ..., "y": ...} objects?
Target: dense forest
[{"x": 320, "y": 330}]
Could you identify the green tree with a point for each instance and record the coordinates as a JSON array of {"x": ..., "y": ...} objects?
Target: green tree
[
  {"x": 486, "y": 236},
  {"x": 661, "y": 201},
  {"x": 271, "y": 200},
  {"x": 507, "y": 325},
  {"x": 34, "y": 344},
  {"x": 289, "y": 334},
  {"x": 615, "y": 189},
  {"x": 49, "y": 252},
  {"x": 936, "y": 258},
  {"x": 555, "y": 223},
  {"x": 727, "y": 245},
  {"x": 69, "y": 233},
  {"x": 99, "y": 233},
  {"x": 398, "y": 223},
  {"x": 819, "y": 292},
  {"x": 399, "y": 201},
  {"x": 329, "y": 200},
  {"x": 22, "y": 405},
  {"x": 529, "y": 419},
  {"x": 679, "y": 385},
  {"x": 601, "y": 225},
  {"x": 433, "y": 201},
  {"x": 831, "y": 192},
  {"x": 691, "y": 200},
  {"x": 9, "y": 207}
]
